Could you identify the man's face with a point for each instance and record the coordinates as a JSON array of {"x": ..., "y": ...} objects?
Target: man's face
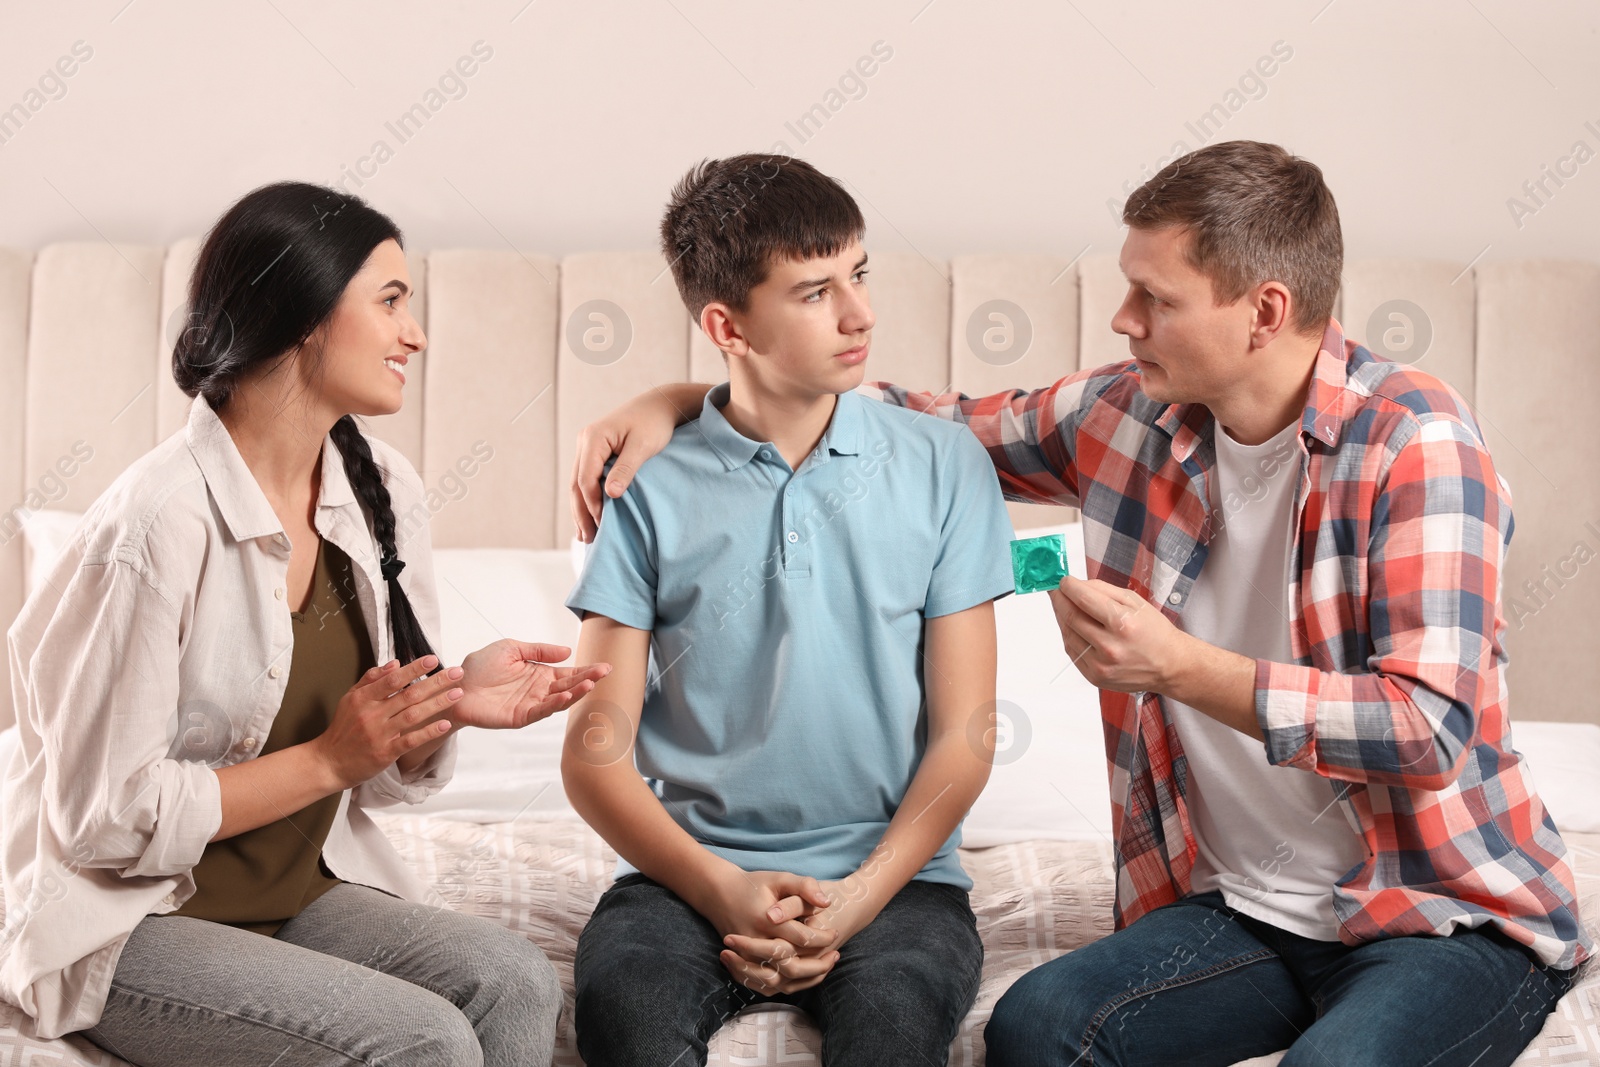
[
  {"x": 1189, "y": 349},
  {"x": 809, "y": 325}
]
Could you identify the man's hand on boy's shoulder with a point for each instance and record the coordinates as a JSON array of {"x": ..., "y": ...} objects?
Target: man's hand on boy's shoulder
[{"x": 632, "y": 434}]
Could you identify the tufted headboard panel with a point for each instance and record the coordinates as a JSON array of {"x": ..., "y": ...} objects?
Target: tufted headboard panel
[{"x": 524, "y": 349}]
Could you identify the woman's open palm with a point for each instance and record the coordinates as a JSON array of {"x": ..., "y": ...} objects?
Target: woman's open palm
[{"x": 511, "y": 683}]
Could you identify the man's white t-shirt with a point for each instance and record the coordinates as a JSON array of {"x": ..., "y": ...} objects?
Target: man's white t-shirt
[{"x": 1271, "y": 838}]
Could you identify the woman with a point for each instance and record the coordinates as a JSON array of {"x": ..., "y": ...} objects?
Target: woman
[{"x": 229, "y": 665}]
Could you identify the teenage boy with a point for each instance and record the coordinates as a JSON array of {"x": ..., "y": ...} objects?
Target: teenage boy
[
  {"x": 1325, "y": 841},
  {"x": 810, "y": 576}
]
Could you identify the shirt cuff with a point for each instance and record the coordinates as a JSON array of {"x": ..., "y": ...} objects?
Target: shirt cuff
[
  {"x": 948, "y": 603},
  {"x": 393, "y": 786},
  {"x": 188, "y": 812},
  {"x": 1286, "y": 711},
  {"x": 634, "y": 615}
]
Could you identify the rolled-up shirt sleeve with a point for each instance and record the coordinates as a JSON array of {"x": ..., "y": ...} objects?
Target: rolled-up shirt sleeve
[
  {"x": 393, "y": 786},
  {"x": 1440, "y": 524},
  {"x": 102, "y": 690}
]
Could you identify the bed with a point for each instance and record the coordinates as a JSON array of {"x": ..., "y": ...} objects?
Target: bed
[{"x": 524, "y": 349}]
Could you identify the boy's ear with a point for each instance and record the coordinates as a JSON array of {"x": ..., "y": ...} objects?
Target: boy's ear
[{"x": 717, "y": 320}]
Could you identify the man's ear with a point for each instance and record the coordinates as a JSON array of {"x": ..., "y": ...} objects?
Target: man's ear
[
  {"x": 1273, "y": 305},
  {"x": 718, "y": 322}
]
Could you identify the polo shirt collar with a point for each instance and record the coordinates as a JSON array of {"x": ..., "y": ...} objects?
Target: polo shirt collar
[
  {"x": 731, "y": 446},
  {"x": 842, "y": 436}
]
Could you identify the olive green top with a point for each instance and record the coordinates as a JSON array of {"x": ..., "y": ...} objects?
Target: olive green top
[{"x": 260, "y": 879}]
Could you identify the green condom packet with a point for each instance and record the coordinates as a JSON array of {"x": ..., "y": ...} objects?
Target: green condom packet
[{"x": 1038, "y": 563}]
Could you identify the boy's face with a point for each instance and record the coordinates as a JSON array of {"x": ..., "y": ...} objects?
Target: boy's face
[
  {"x": 1190, "y": 349},
  {"x": 807, "y": 329}
]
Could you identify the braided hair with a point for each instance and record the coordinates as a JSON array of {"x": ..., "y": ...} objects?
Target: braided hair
[{"x": 270, "y": 273}]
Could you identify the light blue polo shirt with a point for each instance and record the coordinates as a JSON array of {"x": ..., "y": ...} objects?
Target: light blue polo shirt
[{"x": 783, "y": 719}]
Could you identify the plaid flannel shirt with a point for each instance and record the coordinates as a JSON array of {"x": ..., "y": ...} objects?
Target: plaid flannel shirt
[{"x": 1397, "y": 692}]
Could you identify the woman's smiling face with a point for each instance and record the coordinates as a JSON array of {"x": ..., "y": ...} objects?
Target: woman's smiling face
[{"x": 369, "y": 340}]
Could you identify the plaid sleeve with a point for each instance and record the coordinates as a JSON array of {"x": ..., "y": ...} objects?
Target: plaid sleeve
[
  {"x": 1441, "y": 518},
  {"x": 1030, "y": 436}
]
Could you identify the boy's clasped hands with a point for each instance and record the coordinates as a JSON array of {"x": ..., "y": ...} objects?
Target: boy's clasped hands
[{"x": 782, "y": 932}]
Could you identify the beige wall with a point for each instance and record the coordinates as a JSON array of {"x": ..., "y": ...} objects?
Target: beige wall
[{"x": 993, "y": 126}]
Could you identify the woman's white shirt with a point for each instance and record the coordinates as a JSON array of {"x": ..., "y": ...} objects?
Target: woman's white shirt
[{"x": 157, "y": 651}]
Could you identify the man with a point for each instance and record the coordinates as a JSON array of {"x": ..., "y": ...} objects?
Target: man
[{"x": 1324, "y": 840}]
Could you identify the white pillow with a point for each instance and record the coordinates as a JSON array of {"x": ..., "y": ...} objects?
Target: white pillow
[
  {"x": 486, "y": 594},
  {"x": 45, "y": 535},
  {"x": 578, "y": 552},
  {"x": 1563, "y": 759},
  {"x": 1025, "y": 795},
  {"x": 1049, "y": 778}
]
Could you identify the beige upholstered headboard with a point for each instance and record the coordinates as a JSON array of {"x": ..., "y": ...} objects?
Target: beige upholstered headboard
[{"x": 524, "y": 349}]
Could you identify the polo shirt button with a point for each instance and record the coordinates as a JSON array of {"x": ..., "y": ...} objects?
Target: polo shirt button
[
  {"x": 278, "y": 593},
  {"x": 793, "y": 537},
  {"x": 275, "y": 672},
  {"x": 1174, "y": 597},
  {"x": 248, "y": 742},
  {"x": 170, "y": 898},
  {"x": 765, "y": 454}
]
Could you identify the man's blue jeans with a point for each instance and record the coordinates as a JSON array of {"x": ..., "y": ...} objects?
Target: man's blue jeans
[{"x": 1196, "y": 983}]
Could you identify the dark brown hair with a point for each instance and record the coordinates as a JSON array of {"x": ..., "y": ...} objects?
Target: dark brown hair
[
  {"x": 728, "y": 219},
  {"x": 1254, "y": 213},
  {"x": 269, "y": 276}
]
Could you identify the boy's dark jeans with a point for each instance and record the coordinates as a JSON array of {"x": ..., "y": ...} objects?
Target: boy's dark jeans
[{"x": 652, "y": 990}]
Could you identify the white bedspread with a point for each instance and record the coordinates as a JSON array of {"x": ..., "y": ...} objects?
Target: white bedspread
[{"x": 542, "y": 873}]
